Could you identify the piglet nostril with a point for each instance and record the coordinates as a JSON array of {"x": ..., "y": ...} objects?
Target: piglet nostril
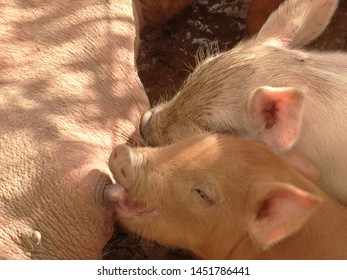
[{"x": 122, "y": 163}]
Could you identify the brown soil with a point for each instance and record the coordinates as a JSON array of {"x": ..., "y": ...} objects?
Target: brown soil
[{"x": 167, "y": 56}]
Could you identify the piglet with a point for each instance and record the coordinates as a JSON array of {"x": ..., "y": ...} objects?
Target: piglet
[
  {"x": 268, "y": 89},
  {"x": 221, "y": 197}
]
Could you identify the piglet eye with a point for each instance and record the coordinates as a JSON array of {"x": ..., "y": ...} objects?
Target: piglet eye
[{"x": 204, "y": 196}]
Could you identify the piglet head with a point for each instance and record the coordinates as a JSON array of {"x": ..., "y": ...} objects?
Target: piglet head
[{"x": 209, "y": 193}]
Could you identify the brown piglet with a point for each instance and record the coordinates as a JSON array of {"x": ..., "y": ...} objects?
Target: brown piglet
[{"x": 221, "y": 197}]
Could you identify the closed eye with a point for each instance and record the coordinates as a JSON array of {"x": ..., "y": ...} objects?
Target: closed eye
[{"x": 204, "y": 196}]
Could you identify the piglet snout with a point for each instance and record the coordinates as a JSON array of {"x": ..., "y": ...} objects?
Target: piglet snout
[
  {"x": 122, "y": 163},
  {"x": 144, "y": 124}
]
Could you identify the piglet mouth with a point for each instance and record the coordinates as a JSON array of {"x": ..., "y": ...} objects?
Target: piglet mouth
[
  {"x": 125, "y": 206},
  {"x": 130, "y": 208}
]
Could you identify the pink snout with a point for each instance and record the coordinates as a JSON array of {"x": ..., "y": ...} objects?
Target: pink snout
[
  {"x": 144, "y": 125},
  {"x": 122, "y": 163}
]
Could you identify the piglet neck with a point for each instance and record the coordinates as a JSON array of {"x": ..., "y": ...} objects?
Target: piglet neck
[
  {"x": 322, "y": 237},
  {"x": 222, "y": 249}
]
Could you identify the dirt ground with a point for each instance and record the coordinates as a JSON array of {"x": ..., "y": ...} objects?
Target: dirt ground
[
  {"x": 167, "y": 54},
  {"x": 166, "y": 58}
]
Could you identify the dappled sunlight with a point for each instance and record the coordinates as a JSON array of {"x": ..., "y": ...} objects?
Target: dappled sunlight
[
  {"x": 69, "y": 92},
  {"x": 86, "y": 77}
]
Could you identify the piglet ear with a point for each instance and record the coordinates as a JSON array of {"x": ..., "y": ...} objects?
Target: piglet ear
[
  {"x": 275, "y": 210},
  {"x": 297, "y": 22},
  {"x": 275, "y": 114}
]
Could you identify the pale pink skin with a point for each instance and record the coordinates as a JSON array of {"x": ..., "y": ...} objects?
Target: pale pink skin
[{"x": 69, "y": 93}]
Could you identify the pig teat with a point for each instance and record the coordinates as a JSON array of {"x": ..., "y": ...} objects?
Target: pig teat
[{"x": 114, "y": 193}]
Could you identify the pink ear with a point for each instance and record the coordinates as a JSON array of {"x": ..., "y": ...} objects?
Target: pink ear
[
  {"x": 276, "y": 115},
  {"x": 276, "y": 210}
]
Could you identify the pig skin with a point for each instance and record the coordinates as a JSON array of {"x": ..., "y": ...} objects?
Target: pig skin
[{"x": 69, "y": 92}]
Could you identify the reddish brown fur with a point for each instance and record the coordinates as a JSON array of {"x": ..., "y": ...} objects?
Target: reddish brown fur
[{"x": 231, "y": 173}]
